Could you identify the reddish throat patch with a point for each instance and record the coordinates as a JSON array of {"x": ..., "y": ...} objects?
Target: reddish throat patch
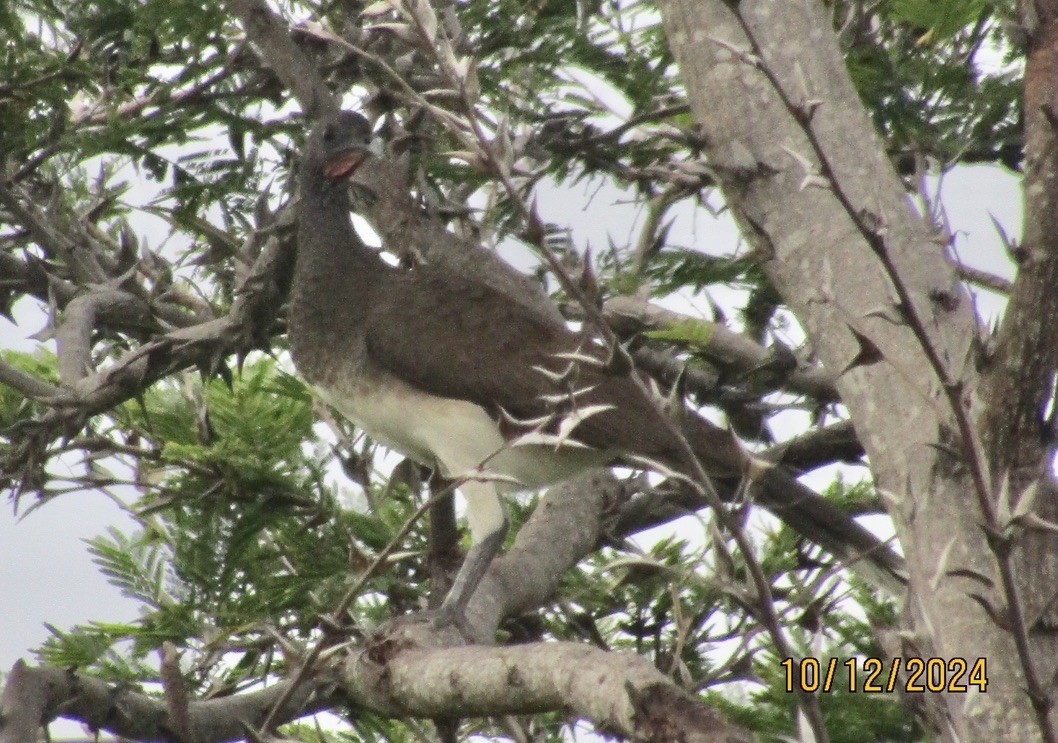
[{"x": 344, "y": 165}]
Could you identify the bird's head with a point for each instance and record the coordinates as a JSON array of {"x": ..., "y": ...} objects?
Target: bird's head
[{"x": 336, "y": 147}]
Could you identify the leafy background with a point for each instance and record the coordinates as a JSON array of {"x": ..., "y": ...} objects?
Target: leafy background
[{"x": 234, "y": 516}]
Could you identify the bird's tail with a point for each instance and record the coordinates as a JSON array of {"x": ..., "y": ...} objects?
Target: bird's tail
[
  {"x": 807, "y": 512},
  {"x": 819, "y": 520}
]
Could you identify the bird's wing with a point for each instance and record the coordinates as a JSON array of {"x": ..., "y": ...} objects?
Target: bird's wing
[
  {"x": 515, "y": 364},
  {"x": 456, "y": 338},
  {"x": 491, "y": 353}
]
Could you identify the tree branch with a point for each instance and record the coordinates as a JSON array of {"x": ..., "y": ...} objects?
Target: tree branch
[
  {"x": 619, "y": 692},
  {"x": 74, "y": 333},
  {"x": 984, "y": 279},
  {"x": 630, "y": 314},
  {"x": 34, "y": 696},
  {"x": 81, "y": 262},
  {"x": 271, "y": 35},
  {"x": 249, "y": 324},
  {"x": 28, "y": 385}
]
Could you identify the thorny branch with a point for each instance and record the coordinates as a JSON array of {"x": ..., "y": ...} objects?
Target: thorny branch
[
  {"x": 248, "y": 325},
  {"x": 478, "y": 141},
  {"x": 873, "y": 228},
  {"x": 421, "y": 16},
  {"x": 336, "y": 620},
  {"x": 250, "y": 321}
]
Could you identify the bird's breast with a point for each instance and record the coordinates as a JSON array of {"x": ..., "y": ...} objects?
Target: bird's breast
[
  {"x": 428, "y": 429},
  {"x": 458, "y": 436}
]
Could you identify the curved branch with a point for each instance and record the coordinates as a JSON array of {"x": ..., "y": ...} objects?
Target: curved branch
[
  {"x": 33, "y": 696},
  {"x": 724, "y": 345},
  {"x": 271, "y": 35},
  {"x": 74, "y": 334},
  {"x": 619, "y": 692},
  {"x": 567, "y": 524},
  {"x": 248, "y": 325}
]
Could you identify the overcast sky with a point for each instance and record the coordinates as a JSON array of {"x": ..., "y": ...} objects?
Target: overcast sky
[{"x": 45, "y": 571}]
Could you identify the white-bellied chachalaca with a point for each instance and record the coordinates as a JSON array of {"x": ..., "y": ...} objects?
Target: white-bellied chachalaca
[{"x": 454, "y": 374}]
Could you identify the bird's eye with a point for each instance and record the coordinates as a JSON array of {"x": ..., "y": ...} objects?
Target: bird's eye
[{"x": 328, "y": 133}]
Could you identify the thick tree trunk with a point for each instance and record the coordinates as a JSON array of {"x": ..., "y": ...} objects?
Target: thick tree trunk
[{"x": 810, "y": 184}]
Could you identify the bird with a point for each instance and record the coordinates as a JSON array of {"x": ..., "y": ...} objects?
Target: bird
[{"x": 458, "y": 376}]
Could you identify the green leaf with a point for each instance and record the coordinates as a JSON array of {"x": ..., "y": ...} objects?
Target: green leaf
[
  {"x": 690, "y": 332},
  {"x": 943, "y": 17},
  {"x": 138, "y": 566}
]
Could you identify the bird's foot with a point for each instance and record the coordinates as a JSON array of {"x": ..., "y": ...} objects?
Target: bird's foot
[{"x": 440, "y": 619}]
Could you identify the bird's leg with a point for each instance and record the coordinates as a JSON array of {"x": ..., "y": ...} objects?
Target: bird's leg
[
  {"x": 470, "y": 574},
  {"x": 487, "y": 516}
]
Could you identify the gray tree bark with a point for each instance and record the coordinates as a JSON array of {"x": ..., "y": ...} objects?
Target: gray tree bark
[{"x": 809, "y": 182}]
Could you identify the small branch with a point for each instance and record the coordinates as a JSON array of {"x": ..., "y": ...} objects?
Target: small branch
[
  {"x": 653, "y": 230},
  {"x": 29, "y": 385},
  {"x": 612, "y": 136},
  {"x": 984, "y": 279},
  {"x": 81, "y": 262},
  {"x": 250, "y": 322},
  {"x": 271, "y": 35},
  {"x": 74, "y": 334},
  {"x": 819, "y": 447},
  {"x": 724, "y": 345},
  {"x": 336, "y": 619},
  {"x": 158, "y": 97},
  {"x": 177, "y": 699},
  {"x": 700, "y": 381},
  {"x": 534, "y": 235},
  {"x": 101, "y": 115},
  {"x": 33, "y": 696}
]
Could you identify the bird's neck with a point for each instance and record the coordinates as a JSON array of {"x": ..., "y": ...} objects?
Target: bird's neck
[
  {"x": 330, "y": 255},
  {"x": 326, "y": 238},
  {"x": 334, "y": 277}
]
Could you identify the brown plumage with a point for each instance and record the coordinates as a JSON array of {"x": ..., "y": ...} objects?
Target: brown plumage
[{"x": 443, "y": 367}]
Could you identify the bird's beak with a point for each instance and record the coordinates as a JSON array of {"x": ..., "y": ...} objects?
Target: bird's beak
[{"x": 345, "y": 163}]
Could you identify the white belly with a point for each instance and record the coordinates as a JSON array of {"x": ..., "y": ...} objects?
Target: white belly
[
  {"x": 463, "y": 441},
  {"x": 458, "y": 436}
]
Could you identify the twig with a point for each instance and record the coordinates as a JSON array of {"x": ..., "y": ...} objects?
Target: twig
[
  {"x": 984, "y": 278},
  {"x": 39, "y": 225},
  {"x": 653, "y": 231},
  {"x": 335, "y": 620},
  {"x": 177, "y": 698},
  {"x": 28, "y": 385},
  {"x": 765, "y": 602}
]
